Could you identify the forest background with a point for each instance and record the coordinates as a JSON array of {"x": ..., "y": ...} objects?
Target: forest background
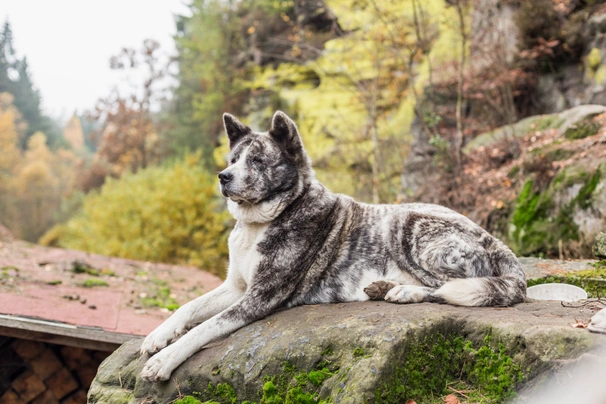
[{"x": 375, "y": 87}]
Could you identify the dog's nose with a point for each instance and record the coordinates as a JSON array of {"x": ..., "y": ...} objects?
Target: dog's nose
[{"x": 224, "y": 177}]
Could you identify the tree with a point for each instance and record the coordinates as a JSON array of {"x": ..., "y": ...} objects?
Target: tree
[
  {"x": 127, "y": 135},
  {"x": 37, "y": 189},
  {"x": 167, "y": 213},
  {"x": 10, "y": 156},
  {"x": 212, "y": 64},
  {"x": 73, "y": 134},
  {"x": 15, "y": 78}
]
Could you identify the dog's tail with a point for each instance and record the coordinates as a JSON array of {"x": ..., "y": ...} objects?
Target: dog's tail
[{"x": 505, "y": 287}]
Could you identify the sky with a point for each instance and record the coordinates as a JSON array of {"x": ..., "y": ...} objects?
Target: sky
[{"x": 68, "y": 43}]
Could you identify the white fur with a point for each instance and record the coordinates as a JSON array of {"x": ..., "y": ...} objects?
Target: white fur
[
  {"x": 161, "y": 365},
  {"x": 190, "y": 314},
  {"x": 406, "y": 294},
  {"x": 263, "y": 212},
  {"x": 394, "y": 273},
  {"x": 463, "y": 292},
  {"x": 243, "y": 254}
]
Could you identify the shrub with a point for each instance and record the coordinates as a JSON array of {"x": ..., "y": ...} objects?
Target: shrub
[{"x": 169, "y": 213}]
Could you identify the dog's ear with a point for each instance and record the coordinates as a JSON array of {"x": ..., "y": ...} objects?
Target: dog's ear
[
  {"x": 284, "y": 131},
  {"x": 235, "y": 129}
]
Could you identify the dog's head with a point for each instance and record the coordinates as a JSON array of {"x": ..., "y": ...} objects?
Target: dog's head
[{"x": 266, "y": 167}]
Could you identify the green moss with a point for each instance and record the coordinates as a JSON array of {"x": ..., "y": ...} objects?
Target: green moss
[
  {"x": 357, "y": 352},
  {"x": 558, "y": 154},
  {"x": 528, "y": 231},
  {"x": 548, "y": 122},
  {"x": 583, "y": 199},
  {"x": 187, "y": 400},
  {"x": 599, "y": 264},
  {"x": 93, "y": 282},
  {"x": 80, "y": 267},
  {"x": 290, "y": 387},
  {"x": 582, "y": 130},
  {"x": 159, "y": 296},
  {"x": 54, "y": 282},
  {"x": 431, "y": 364},
  {"x": 513, "y": 172},
  {"x": 537, "y": 224},
  {"x": 593, "y": 281}
]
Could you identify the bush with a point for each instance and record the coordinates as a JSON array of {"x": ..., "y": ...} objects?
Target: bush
[{"x": 169, "y": 213}]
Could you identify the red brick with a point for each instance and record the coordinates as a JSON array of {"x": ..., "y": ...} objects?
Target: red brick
[
  {"x": 10, "y": 397},
  {"x": 62, "y": 383},
  {"x": 79, "y": 397},
  {"x": 45, "y": 398},
  {"x": 27, "y": 349},
  {"x": 28, "y": 386},
  {"x": 45, "y": 364},
  {"x": 75, "y": 357}
]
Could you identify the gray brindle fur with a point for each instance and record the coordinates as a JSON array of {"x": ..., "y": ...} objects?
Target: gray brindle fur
[{"x": 295, "y": 242}]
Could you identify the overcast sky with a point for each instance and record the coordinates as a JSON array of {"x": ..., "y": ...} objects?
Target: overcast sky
[{"x": 68, "y": 43}]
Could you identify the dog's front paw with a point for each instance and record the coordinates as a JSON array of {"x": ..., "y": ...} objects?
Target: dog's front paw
[
  {"x": 407, "y": 294},
  {"x": 158, "y": 368},
  {"x": 377, "y": 290},
  {"x": 159, "y": 339}
]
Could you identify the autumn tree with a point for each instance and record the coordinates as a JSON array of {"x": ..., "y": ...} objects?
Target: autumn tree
[
  {"x": 127, "y": 136},
  {"x": 10, "y": 155}
]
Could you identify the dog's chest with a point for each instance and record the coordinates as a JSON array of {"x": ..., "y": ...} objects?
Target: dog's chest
[{"x": 244, "y": 255}]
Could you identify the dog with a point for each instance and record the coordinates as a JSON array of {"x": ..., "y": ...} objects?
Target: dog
[{"x": 295, "y": 243}]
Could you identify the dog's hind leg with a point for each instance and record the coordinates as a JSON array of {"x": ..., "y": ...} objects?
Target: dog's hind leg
[{"x": 189, "y": 315}]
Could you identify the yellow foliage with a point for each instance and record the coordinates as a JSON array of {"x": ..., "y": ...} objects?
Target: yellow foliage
[
  {"x": 162, "y": 214},
  {"x": 9, "y": 152},
  {"x": 72, "y": 132},
  {"x": 368, "y": 68}
]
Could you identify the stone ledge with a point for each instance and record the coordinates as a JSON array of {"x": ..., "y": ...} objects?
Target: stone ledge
[{"x": 538, "y": 335}]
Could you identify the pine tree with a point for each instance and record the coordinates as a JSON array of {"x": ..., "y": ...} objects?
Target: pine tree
[{"x": 15, "y": 78}]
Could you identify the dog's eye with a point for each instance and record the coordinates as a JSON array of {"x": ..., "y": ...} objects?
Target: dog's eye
[{"x": 233, "y": 161}]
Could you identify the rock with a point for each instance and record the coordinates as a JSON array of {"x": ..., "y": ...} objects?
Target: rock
[
  {"x": 599, "y": 246},
  {"x": 562, "y": 121},
  {"x": 363, "y": 352},
  {"x": 598, "y": 322}
]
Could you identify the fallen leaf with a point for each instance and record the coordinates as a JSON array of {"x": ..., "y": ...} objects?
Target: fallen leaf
[
  {"x": 451, "y": 399},
  {"x": 578, "y": 324}
]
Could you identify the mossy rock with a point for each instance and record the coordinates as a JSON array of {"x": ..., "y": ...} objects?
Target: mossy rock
[
  {"x": 582, "y": 130},
  {"x": 565, "y": 212},
  {"x": 361, "y": 352},
  {"x": 574, "y": 121},
  {"x": 599, "y": 246}
]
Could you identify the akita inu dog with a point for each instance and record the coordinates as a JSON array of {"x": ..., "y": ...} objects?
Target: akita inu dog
[{"x": 295, "y": 242}]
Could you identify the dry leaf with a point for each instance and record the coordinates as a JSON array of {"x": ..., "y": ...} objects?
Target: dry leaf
[
  {"x": 451, "y": 399},
  {"x": 578, "y": 324}
]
